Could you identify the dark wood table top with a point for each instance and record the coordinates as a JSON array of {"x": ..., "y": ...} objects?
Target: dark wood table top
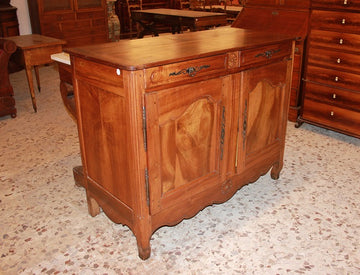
[
  {"x": 138, "y": 54},
  {"x": 177, "y": 19},
  {"x": 180, "y": 13}
]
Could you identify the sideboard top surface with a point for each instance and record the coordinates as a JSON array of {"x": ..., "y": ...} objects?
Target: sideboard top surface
[{"x": 150, "y": 52}]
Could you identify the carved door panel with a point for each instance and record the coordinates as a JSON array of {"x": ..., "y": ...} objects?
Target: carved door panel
[
  {"x": 263, "y": 93},
  {"x": 186, "y": 134}
]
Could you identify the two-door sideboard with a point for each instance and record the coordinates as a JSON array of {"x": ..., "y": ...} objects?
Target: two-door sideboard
[{"x": 169, "y": 125}]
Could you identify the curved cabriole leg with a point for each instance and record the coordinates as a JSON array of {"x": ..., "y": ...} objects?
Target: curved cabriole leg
[
  {"x": 275, "y": 171},
  {"x": 143, "y": 244},
  {"x": 142, "y": 231},
  {"x": 93, "y": 206}
]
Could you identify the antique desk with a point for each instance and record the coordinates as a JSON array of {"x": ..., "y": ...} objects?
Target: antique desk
[
  {"x": 164, "y": 133},
  {"x": 34, "y": 50},
  {"x": 177, "y": 19}
]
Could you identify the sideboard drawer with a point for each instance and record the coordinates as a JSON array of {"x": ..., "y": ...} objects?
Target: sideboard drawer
[
  {"x": 334, "y": 59},
  {"x": 332, "y": 95},
  {"x": 335, "y": 21},
  {"x": 184, "y": 71},
  {"x": 336, "y": 40},
  {"x": 332, "y": 116},
  {"x": 264, "y": 54},
  {"x": 336, "y": 4},
  {"x": 333, "y": 77}
]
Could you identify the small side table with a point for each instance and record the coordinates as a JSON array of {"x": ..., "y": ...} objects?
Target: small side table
[{"x": 34, "y": 50}]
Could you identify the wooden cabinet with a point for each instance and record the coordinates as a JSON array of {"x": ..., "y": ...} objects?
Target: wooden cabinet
[
  {"x": 331, "y": 86},
  {"x": 281, "y": 16},
  {"x": 9, "y": 25},
  {"x": 79, "y": 22},
  {"x": 164, "y": 134},
  {"x": 7, "y": 101}
]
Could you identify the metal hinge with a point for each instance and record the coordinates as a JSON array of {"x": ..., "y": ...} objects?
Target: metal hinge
[
  {"x": 147, "y": 186},
  {"x": 144, "y": 127},
  {"x": 222, "y": 133}
]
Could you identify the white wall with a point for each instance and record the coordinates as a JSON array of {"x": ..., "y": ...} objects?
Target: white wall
[{"x": 23, "y": 15}]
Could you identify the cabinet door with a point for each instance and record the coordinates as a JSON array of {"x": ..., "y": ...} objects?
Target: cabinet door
[
  {"x": 264, "y": 106},
  {"x": 186, "y": 133}
]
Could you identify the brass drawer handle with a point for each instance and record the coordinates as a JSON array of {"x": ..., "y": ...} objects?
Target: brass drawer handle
[
  {"x": 343, "y": 21},
  {"x": 345, "y": 2},
  {"x": 338, "y": 61},
  {"x": 334, "y": 96},
  {"x": 331, "y": 113},
  {"x": 341, "y": 41},
  {"x": 191, "y": 71},
  {"x": 268, "y": 54},
  {"x": 336, "y": 78}
]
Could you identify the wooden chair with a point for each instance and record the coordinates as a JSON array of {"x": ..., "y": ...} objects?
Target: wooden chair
[
  {"x": 197, "y": 5},
  {"x": 133, "y": 5},
  {"x": 184, "y": 4}
]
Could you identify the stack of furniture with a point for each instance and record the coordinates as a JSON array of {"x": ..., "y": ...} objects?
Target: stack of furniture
[
  {"x": 286, "y": 17},
  {"x": 332, "y": 73},
  {"x": 9, "y": 25},
  {"x": 7, "y": 101},
  {"x": 79, "y": 22}
]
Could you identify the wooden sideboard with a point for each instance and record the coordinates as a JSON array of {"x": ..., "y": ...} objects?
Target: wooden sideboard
[
  {"x": 78, "y": 22},
  {"x": 166, "y": 130},
  {"x": 331, "y": 96},
  {"x": 288, "y": 17}
]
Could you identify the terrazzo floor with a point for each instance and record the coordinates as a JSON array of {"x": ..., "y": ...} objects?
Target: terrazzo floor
[{"x": 307, "y": 222}]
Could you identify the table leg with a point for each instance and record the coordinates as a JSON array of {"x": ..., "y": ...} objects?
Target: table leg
[
  {"x": 37, "y": 76},
  {"x": 31, "y": 85}
]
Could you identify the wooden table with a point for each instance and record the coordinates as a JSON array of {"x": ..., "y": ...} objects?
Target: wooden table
[
  {"x": 176, "y": 19},
  {"x": 34, "y": 50}
]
